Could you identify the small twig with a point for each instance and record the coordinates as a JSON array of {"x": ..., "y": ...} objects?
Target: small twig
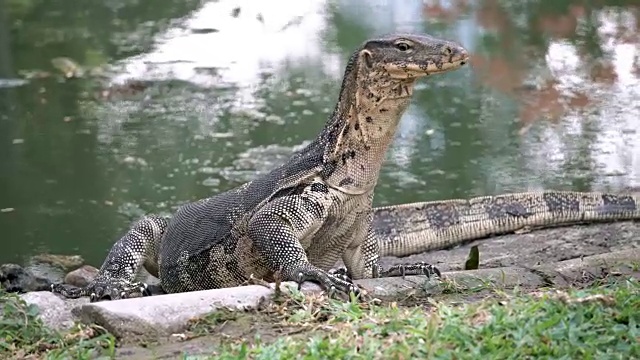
[
  {"x": 277, "y": 276},
  {"x": 255, "y": 281}
]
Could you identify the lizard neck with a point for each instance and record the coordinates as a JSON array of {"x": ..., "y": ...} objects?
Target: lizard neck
[{"x": 362, "y": 127}]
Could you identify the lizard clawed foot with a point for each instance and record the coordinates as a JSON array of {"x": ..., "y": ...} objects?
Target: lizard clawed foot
[
  {"x": 403, "y": 270},
  {"x": 105, "y": 291},
  {"x": 341, "y": 273},
  {"x": 102, "y": 290},
  {"x": 330, "y": 282},
  {"x": 68, "y": 291}
]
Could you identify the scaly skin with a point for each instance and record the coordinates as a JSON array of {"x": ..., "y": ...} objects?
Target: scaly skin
[
  {"x": 304, "y": 215},
  {"x": 409, "y": 229}
]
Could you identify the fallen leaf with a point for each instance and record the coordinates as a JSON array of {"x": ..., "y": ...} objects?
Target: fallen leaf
[{"x": 473, "y": 260}]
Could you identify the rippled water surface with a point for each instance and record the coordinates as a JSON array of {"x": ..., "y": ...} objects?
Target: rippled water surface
[{"x": 200, "y": 96}]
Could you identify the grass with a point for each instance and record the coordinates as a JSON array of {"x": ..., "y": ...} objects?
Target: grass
[
  {"x": 24, "y": 336},
  {"x": 600, "y": 322}
]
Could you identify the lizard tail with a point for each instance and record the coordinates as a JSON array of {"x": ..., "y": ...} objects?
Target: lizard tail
[{"x": 409, "y": 229}]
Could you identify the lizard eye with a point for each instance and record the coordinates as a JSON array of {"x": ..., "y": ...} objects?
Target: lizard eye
[
  {"x": 403, "y": 46},
  {"x": 447, "y": 50}
]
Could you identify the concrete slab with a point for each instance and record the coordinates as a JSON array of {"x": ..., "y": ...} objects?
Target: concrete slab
[
  {"x": 166, "y": 314},
  {"x": 55, "y": 312}
]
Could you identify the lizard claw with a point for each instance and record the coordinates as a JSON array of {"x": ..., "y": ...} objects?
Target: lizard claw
[
  {"x": 403, "y": 270},
  {"x": 104, "y": 291},
  {"x": 329, "y": 282},
  {"x": 341, "y": 273},
  {"x": 99, "y": 290},
  {"x": 331, "y": 291},
  {"x": 68, "y": 291}
]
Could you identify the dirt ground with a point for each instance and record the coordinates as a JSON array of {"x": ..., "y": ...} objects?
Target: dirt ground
[{"x": 535, "y": 247}]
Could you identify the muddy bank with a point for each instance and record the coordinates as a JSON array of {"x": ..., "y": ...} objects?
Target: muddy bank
[
  {"x": 559, "y": 257},
  {"x": 536, "y": 247},
  {"x": 206, "y": 335}
]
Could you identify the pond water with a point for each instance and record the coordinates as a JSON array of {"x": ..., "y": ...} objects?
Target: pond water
[{"x": 204, "y": 95}]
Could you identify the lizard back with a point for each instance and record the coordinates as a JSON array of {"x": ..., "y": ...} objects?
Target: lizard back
[{"x": 218, "y": 221}]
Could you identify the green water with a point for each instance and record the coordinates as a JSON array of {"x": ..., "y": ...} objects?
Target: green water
[{"x": 549, "y": 101}]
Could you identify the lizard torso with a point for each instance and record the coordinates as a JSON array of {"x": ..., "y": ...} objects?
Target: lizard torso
[{"x": 229, "y": 252}]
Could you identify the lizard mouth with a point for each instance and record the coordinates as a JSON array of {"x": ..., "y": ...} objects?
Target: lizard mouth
[
  {"x": 447, "y": 63},
  {"x": 435, "y": 65},
  {"x": 431, "y": 64}
]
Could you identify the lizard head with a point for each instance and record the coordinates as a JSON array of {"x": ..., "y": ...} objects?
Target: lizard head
[
  {"x": 408, "y": 57},
  {"x": 376, "y": 90}
]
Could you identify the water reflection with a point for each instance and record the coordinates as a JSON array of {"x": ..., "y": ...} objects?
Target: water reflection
[
  {"x": 580, "y": 77},
  {"x": 230, "y": 88},
  {"x": 239, "y": 41}
]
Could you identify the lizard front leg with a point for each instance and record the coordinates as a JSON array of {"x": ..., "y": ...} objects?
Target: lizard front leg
[
  {"x": 276, "y": 231},
  {"x": 115, "y": 280}
]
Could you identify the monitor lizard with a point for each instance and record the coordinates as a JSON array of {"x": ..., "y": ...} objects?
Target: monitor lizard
[{"x": 299, "y": 219}]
